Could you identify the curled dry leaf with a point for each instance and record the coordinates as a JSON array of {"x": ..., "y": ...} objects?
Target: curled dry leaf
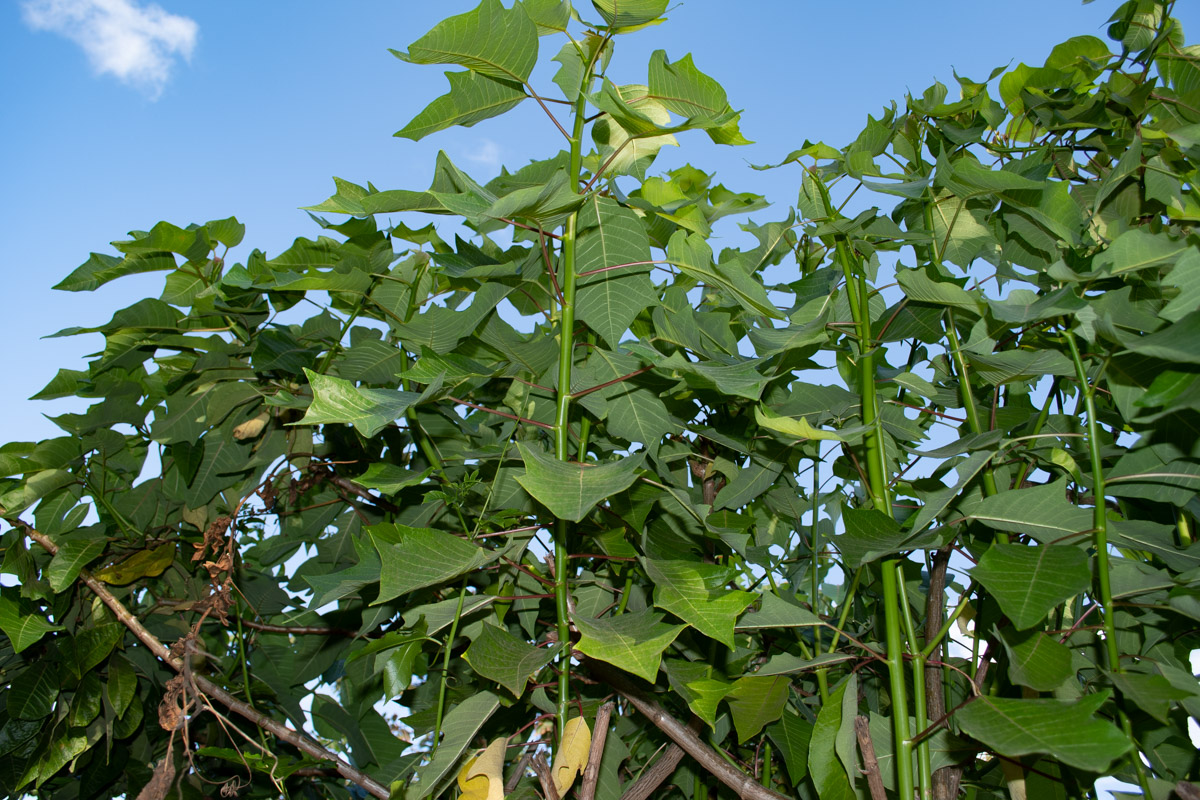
[
  {"x": 251, "y": 427},
  {"x": 482, "y": 778},
  {"x": 572, "y": 755}
]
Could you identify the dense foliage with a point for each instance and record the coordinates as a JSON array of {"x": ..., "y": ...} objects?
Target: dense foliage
[{"x": 918, "y": 481}]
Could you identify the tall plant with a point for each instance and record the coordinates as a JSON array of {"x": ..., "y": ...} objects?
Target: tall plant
[{"x": 569, "y": 486}]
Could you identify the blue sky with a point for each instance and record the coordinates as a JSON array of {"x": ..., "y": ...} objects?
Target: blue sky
[{"x": 126, "y": 113}]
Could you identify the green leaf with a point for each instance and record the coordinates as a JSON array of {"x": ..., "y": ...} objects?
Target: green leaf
[
  {"x": 792, "y": 735},
  {"x": 920, "y": 287},
  {"x": 1151, "y": 693},
  {"x": 413, "y": 558},
  {"x": 1007, "y": 366},
  {"x": 389, "y": 478},
  {"x": 473, "y": 97},
  {"x": 458, "y": 730},
  {"x": 1185, "y": 276},
  {"x": 99, "y": 269},
  {"x": 347, "y": 580},
  {"x": 741, "y": 380},
  {"x": 1037, "y": 660},
  {"x": 499, "y": 656},
  {"x": 497, "y": 42},
  {"x": 630, "y": 411},
  {"x": 793, "y": 427},
  {"x": 550, "y": 16},
  {"x": 691, "y": 254},
  {"x": 72, "y": 556},
  {"x": 31, "y": 694},
  {"x": 1138, "y": 249},
  {"x": 21, "y": 622},
  {"x": 610, "y": 306},
  {"x": 1176, "y": 342},
  {"x": 869, "y": 535},
  {"x": 122, "y": 684},
  {"x": 1029, "y": 581},
  {"x": 695, "y": 592},
  {"x": 611, "y": 235},
  {"x": 368, "y": 410},
  {"x": 775, "y": 612},
  {"x": 1066, "y": 731},
  {"x": 694, "y": 682},
  {"x": 629, "y": 13},
  {"x": 572, "y": 490},
  {"x": 828, "y": 774},
  {"x": 755, "y": 702},
  {"x": 687, "y": 91},
  {"x": 144, "y": 563},
  {"x": 632, "y": 641},
  {"x": 441, "y": 329},
  {"x": 1042, "y": 512}
]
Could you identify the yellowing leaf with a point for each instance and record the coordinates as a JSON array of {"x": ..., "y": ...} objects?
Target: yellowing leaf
[
  {"x": 251, "y": 427},
  {"x": 792, "y": 426},
  {"x": 482, "y": 778},
  {"x": 142, "y": 564},
  {"x": 572, "y": 755}
]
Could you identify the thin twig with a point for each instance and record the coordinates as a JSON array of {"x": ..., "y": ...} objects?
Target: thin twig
[
  {"x": 542, "y": 770},
  {"x": 663, "y": 768},
  {"x": 518, "y": 772},
  {"x": 862, "y": 730},
  {"x": 742, "y": 784},
  {"x": 298, "y": 630},
  {"x": 591, "y": 773},
  {"x": 298, "y": 740},
  {"x": 504, "y": 414}
]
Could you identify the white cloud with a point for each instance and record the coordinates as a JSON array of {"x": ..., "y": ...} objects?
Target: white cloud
[
  {"x": 136, "y": 43},
  {"x": 487, "y": 154}
]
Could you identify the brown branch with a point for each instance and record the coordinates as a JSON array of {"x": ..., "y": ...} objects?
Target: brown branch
[
  {"x": 298, "y": 740},
  {"x": 518, "y": 772},
  {"x": 1187, "y": 791},
  {"x": 862, "y": 730},
  {"x": 946, "y": 779},
  {"x": 657, "y": 772},
  {"x": 591, "y": 773},
  {"x": 298, "y": 630},
  {"x": 742, "y": 784},
  {"x": 542, "y": 770}
]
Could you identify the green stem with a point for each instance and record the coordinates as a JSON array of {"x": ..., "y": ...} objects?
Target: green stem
[
  {"x": 881, "y": 501},
  {"x": 815, "y": 543},
  {"x": 1043, "y": 415},
  {"x": 562, "y": 439},
  {"x": 844, "y": 614},
  {"x": 766, "y": 767},
  {"x": 968, "y": 401},
  {"x": 896, "y": 683},
  {"x": 1099, "y": 518},
  {"x": 1100, "y": 539},
  {"x": 924, "y": 759},
  {"x": 441, "y": 701},
  {"x": 823, "y": 684},
  {"x": 963, "y": 602}
]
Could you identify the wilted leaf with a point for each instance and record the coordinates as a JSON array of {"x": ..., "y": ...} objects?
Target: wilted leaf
[
  {"x": 482, "y": 777},
  {"x": 572, "y": 754}
]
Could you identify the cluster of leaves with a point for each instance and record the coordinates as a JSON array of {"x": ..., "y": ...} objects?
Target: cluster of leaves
[{"x": 931, "y": 469}]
